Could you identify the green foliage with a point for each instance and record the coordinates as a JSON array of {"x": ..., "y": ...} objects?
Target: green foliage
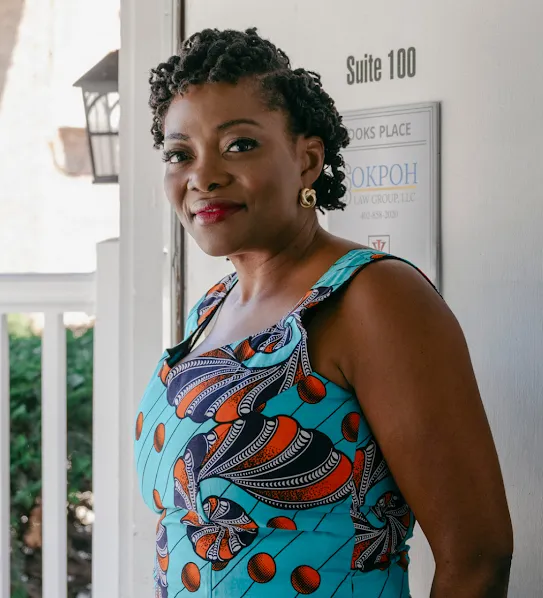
[
  {"x": 19, "y": 325},
  {"x": 25, "y": 467}
]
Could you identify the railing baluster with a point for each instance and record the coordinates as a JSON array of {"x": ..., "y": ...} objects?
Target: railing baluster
[
  {"x": 54, "y": 477},
  {"x": 106, "y": 415},
  {"x": 54, "y": 295},
  {"x": 4, "y": 461}
]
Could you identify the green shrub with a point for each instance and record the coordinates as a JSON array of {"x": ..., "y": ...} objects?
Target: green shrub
[{"x": 25, "y": 467}]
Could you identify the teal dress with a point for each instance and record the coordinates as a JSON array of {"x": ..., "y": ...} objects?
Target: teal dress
[{"x": 265, "y": 476}]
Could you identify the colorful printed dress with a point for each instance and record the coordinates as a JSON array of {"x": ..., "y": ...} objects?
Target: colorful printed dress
[{"x": 265, "y": 475}]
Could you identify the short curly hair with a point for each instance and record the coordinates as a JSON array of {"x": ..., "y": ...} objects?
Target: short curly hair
[{"x": 212, "y": 56}]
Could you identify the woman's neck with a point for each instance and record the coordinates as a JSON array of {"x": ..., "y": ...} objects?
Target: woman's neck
[{"x": 262, "y": 271}]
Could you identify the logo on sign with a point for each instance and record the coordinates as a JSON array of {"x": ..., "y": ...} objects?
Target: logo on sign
[{"x": 379, "y": 242}]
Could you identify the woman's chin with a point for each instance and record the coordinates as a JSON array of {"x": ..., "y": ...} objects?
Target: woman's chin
[{"x": 216, "y": 247}]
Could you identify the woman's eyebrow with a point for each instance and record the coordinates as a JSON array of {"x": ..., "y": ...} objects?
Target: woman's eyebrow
[
  {"x": 176, "y": 136},
  {"x": 238, "y": 121}
]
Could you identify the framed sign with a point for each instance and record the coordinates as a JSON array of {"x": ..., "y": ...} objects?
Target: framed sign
[{"x": 392, "y": 179}]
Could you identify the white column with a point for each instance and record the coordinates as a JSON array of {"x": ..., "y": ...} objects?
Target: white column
[
  {"x": 4, "y": 461},
  {"x": 106, "y": 422},
  {"x": 147, "y": 38},
  {"x": 54, "y": 489}
]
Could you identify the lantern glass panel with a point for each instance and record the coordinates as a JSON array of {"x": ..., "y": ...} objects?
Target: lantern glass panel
[{"x": 103, "y": 125}]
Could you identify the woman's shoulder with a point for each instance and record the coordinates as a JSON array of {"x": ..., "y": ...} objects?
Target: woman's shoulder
[
  {"x": 391, "y": 273},
  {"x": 377, "y": 288},
  {"x": 385, "y": 308},
  {"x": 346, "y": 271},
  {"x": 388, "y": 303},
  {"x": 381, "y": 280}
]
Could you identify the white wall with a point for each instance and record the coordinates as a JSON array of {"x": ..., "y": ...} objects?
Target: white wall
[
  {"x": 482, "y": 60},
  {"x": 49, "y": 222}
]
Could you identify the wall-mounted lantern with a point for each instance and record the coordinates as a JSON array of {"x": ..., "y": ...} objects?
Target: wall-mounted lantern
[{"x": 100, "y": 87}]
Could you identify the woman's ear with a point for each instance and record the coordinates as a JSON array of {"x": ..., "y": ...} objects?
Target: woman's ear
[{"x": 313, "y": 160}]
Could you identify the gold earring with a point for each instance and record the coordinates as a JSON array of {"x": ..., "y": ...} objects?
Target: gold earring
[{"x": 308, "y": 198}]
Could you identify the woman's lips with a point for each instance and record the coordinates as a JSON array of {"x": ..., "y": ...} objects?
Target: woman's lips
[{"x": 216, "y": 213}]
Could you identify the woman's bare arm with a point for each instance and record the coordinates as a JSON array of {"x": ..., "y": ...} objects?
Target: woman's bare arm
[{"x": 403, "y": 352}]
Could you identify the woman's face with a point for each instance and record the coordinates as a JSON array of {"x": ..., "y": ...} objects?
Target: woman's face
[{"x": 233, "y": 169}]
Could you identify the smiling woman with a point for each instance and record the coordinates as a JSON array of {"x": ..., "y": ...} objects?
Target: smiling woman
[
  {"x": 257, "y": 180},
  {"x": 323, "y": 393}
]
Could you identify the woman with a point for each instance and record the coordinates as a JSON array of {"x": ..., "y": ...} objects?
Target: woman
[{"x": 323, "y": 395}]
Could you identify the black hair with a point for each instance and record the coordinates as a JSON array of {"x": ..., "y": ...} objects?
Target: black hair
[{"x": 227, "y": 56}]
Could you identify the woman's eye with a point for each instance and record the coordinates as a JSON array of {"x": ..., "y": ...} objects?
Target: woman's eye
[
  {"x": 175, "y": 157},
  {"x": 242, "y": 145}
]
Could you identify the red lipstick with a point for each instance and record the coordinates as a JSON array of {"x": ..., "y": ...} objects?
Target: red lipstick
[{"x": 215, "y": 211}]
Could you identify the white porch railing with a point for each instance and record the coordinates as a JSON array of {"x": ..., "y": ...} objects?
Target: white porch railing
[{"x": 55, "y": 295}]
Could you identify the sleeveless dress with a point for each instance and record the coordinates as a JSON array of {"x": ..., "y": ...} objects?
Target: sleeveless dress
[{"x": 265, "y": 476}]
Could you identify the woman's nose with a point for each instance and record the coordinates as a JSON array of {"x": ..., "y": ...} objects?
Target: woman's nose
[
  {"x": 211, "y": 187},
  {"x": 207, "y": 176}
]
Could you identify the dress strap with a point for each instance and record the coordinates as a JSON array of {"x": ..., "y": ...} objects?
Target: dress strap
[
  {"x": 201, "y": 315},
  {"x": 343, "y": 271},
  {"x": 204, "y": 309}
]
